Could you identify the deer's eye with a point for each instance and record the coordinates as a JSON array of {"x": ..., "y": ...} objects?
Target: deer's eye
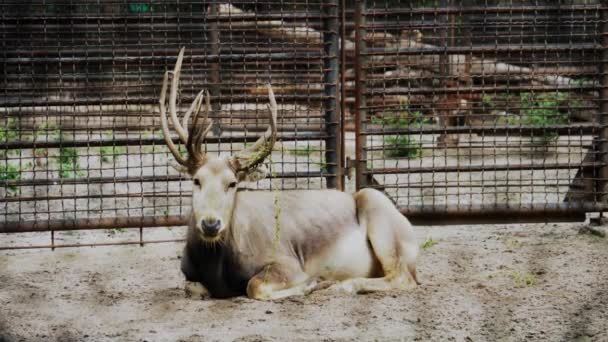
[
  {"x": 197, "y": 182},
  {"x": 232, "y": 185}
]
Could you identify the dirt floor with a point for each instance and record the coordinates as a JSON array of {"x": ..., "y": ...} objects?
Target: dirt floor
[{"x": 542, "y": 282}]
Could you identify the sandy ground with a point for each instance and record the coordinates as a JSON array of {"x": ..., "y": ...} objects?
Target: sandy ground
[{"x": 480, "y": 283}]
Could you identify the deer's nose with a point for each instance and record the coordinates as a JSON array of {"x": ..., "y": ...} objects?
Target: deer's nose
[{"x": 211, "y": 226}]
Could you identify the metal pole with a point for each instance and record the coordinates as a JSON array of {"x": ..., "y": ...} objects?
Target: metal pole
[
  {"x": 343, "y": 94},
  {"x": 333, "y": 158},
  {"x": 360, "y": 140},
  {"x": 92, "y": 223},
  {"x": 215, "y": 68},
  {"x": 603, "y": 114}
]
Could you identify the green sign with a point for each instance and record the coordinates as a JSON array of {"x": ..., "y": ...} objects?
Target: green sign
[{"x": 139, "y": 8}]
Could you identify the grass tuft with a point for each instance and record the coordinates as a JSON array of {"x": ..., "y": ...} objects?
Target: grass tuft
[
  {"x": 68, "y": 162},
  {"x": 523, "y": 279},
  {"x": 10, "y": 173},
  {"x": 428, "y": 243}
]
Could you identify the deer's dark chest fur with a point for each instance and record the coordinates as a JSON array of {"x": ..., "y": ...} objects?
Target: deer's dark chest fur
[{"x": 217, "y": 268}]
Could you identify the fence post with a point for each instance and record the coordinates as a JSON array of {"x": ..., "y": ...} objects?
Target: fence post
[
  {"x": 215, "y": 93},
  {"x": 603, "y": 114},
  {"x": 343, "y": 94},
  {"x": 360, "y": 115},
  {"x": 333, "y": 158}
]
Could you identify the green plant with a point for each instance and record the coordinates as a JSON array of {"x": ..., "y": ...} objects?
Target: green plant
[
  {"x": 107, "y": 153},
  {"x": 51, "y": 131},
  {"x": 487, "y": 101},
  {"x": 428, "y": 243},
  {"x": 402, "y": 119},
  {"x": 8, "y": 173},
  {"x": 115, "y": 231},
  {"x": 302, "y": 150},
  {"x": 155, "y": 149},
  {"x": 512, "y": 243},
  {"x": 68, "y": 162},
  {"x": 402, "y": 146},
  {"x": 43, "y": 128},
  {"x": 541, "y": 110},
  {"x": 523, "y": 279},
  {"x": 10, "y": 131}
]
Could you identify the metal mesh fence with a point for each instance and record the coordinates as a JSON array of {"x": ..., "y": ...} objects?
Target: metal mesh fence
[
  {"x": 80, "y": 139},
  {"x": 486, "y": 107},
  {"x": 460, "y": 108}
]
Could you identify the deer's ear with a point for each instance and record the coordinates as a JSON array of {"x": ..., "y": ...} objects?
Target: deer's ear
[
  {"x": 178, "y": 167},
  {"x": 255, "y": 175}
]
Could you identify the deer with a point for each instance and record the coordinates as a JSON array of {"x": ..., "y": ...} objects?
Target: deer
[{"x": 267, "y": 244}]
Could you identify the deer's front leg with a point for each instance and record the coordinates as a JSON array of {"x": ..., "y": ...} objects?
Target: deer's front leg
[
  {"x": 194, "y": 289},
  {"x": 279, "y": 280}
]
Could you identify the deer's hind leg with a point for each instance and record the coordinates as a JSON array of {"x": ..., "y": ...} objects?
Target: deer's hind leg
[
  {"x": 279, "y": 280},
  {"x": 392, "y": 240}
]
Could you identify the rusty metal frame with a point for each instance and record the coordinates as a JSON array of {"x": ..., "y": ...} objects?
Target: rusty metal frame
[{"x": 360, "y": 91}]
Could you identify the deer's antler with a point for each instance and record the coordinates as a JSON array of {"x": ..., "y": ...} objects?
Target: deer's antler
[
  {"x": 248, "y": 159},
  {"x": 192, "y": 138}
]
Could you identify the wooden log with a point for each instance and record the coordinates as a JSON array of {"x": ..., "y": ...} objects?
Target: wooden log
[
  {"x": 278, "y": 29},
  {"x": 95, "y": 117}
]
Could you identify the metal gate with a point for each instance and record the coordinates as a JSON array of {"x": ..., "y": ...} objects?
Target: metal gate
[
  {"x": 80, "y": 144},
  {"x": 482, "y": 111}
]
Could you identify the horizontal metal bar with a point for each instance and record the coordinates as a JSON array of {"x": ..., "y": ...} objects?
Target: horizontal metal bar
[
  {"x": 489, "y": 149},
  {"x": 418, "y": 215},
  {"x": 92, "y": 223},
  {"x": 141, "y": 179},
  {"x": 477, "y": 89},
  {"x": 149, "y": 100},
  {"x": 72, "y": 76},
  {"x": 498, "y": 213},
  {"x": 97, "y": 196},
  {"x": 480, "y": 49},
  {"x": 482, "y": 9},
  {"x": 482, "y": 168},
  {"x": 152, "y": 50},
  {"x": 512, "y": 185},
  {"x": 148, "y": 141},
  {"x": 489, "y": 130},
  {"x": 163, "y": 19},
  {"x": 99, "y": 244},
  {"x": 142, "y": 87},
  {"x": 227, "y": 57},
  {"x": 521, "y": 22}
]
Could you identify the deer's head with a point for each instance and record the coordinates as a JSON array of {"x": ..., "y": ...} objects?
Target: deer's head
[{"x": 214, "y": 178}]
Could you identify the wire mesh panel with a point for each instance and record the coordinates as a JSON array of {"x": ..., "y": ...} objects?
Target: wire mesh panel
[
  {"x": 80, "y": 139},
  {"x": 481, "y": 107}
]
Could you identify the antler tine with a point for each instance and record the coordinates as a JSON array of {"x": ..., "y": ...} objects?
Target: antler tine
[
  {"x": 165, "y": 125},
  {"x": 203, "y": 134},
  {"x": 181, "y": 132},
  {"x": 195, "y": 104},
  {"x": 271, "y": 132},
  {"x": 263, "y": 146}
]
